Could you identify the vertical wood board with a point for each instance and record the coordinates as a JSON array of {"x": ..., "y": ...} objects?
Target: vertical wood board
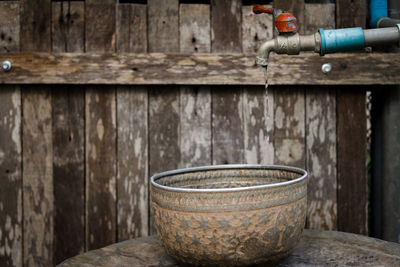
[
  {"x": 163, "y": 25},
  {"x": 38, "y": 195},
  {"x": 194, "y": 28},
  {"x": 10, "y": 177},
  {"x": 35, "y": 25},
  {"x": 132, "y": 132},
  {"x": 318, "y": 16},
  {"x": 226, "y": 34},
  {"x": 9, "y": 27},
  {"x": 256, "y": 29},
  {"x": 321, "y": 158},
  {"x": 351, "y": 13},
  {"x": 68, "y": 26},
  {"x": 131, "y": 28}
]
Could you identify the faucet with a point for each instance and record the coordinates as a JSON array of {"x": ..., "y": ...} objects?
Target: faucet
[{"x": 290, "y": 42}]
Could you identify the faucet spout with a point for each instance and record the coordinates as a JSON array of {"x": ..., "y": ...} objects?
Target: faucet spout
[{"x": 289, "y": 43}]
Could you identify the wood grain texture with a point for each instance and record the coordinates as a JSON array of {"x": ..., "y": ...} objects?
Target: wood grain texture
[
  {"x": 194, "y": 28},
  {"x": 35, "y": 25},
  {"x": 100, "y": 166},
  {"x": 226, "y": 34},
  {"x": 131, "y": 28},
  {"x": 163, "y": 25},
  {"x": 38, "y": 195},
  {"x": 132, "y": 132},
  {"x": 132, "y": 162},
  {"x": 68, "y": 26},
  {"x": 351, "y": 13},
  {"x": 68, "y": 117},
  {"x": 10, "y": 177},
  {"x": 100, "y": 25},
  {"x": 200, "y": 69},
  {"x": 351, "y": 151},
  {"x": 321, "y": 158},
  {"x": 294, "y": 7},
  {"x": 227, "y": 121},
  {"x": 9, "y": 26},
  {"x": 68, "y": 111},
  {"x": 289, "y": 134},
  {"x": 318, "y": 16},
  {"x": 101, "y": 195},
  {"x": 195, "y": 126},
  {"x": 256, "y": 29},
  {"x": 258, "y": 125}
]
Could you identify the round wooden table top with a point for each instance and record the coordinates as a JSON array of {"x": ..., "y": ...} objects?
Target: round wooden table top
[{"x": 316, "y": 248}]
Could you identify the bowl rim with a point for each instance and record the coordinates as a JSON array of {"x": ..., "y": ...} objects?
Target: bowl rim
[{"x": 303, "y": 176}]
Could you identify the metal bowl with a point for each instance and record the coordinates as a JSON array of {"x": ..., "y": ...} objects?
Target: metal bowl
[{"x": 229, "y": 214}]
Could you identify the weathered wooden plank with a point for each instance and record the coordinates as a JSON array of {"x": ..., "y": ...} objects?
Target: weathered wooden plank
[
  {"x": 294, "y": 7},
  {"x": 68, "y": 115},
  {"x": 68, "y": 26},
  {"x": 100, "y": 133},
  {"x": 321, "y": 158},
  {"x": 38, "y": 195},
  {"x": 258, "y": 125},
  {"x": 35, "y": 25},
  {"x": 318, "y": 16},
  {"x": 100, "y": 25},
  {"x": 351, "y": 13},
  {"x": 68, "y": 171},
  {"x": 131, "y": 28},
  {"x": 10, "y": 177},
  {"x": 100, "y": 167},
  {"x": 199, "y": 69},
  {"x": 289, "y": 132},
  {"x": 194, "y": 25},
  {"x": 10, "y": 147},
  {"x": 195, "y": 107},
  {"x": 351, "y": 148},
  {"x": 226, "y": 34},
  {"x": 163, "y": 25},
  {"x": 132, "y": 162},
  {"x": 227, "y": 121},
  {"x": 9, "y": 26},
  {"x": 132, "y": 146},
  {"x": 195, "y": 126},
  {"x": 256, "y": 29}
]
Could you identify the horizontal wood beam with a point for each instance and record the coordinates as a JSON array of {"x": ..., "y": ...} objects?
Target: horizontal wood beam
[{"x": 198, "y": 69}]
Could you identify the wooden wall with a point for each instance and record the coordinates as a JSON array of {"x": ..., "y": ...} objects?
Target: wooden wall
[{"x": 75, "y": 161}]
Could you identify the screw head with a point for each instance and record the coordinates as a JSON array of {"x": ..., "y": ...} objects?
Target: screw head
[
  {"x": 326, "y": 68},
  {"x": 6, "y": 65}
]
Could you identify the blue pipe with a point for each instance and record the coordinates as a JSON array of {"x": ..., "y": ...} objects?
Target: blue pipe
[
  {"x": 377, "y": 9},
  {"x": 341, "y": 40}
]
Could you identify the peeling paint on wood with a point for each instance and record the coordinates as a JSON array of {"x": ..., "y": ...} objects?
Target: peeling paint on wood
[
  {"x": 227, "y": 121},
  {"x": 289, "y": 124},
  {"x": 10, "y": 177},
  {"x": 321, "y": 158},
  {"x": 194, "y": 23},
  {"x": 195, "y": 129},
  {"x": 131, "y": 28},
  {"x": 132, "y": 162},
  {"x": 256, "y": 29},
  {"x": 258, "y": 125},
  {"x": 38, "y": 195}
]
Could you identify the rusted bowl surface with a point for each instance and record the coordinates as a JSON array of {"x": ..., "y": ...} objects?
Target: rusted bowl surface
[{"x": 229, "y": 214}]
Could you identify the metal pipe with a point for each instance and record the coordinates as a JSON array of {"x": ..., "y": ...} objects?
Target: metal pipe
[
  {"x": 381, "y": 36},
  {"x": 388, "y": 22}
]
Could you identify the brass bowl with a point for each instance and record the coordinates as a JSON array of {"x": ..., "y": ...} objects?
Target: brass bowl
[{"x": 229, "y": 214}]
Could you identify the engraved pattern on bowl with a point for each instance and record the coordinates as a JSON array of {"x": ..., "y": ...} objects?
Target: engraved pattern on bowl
[{"x": 230, "y": 214}]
